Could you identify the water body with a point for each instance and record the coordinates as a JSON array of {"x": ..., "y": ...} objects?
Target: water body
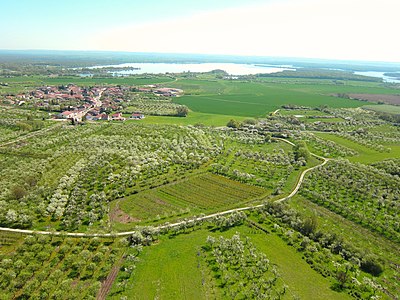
[
  {"x": 379, "y": 75},
  {"x": 162, "y": 68}
]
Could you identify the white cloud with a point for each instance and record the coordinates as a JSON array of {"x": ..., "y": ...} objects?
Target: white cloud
[{"x": 344, "y": 29}]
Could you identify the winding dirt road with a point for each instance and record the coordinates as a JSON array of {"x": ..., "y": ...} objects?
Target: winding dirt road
[{"x": 198, "y": 219}]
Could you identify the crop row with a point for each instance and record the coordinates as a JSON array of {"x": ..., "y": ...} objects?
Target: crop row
[
  {"x": 202, "y": 193},
  {"x": 46, "y": 267},
  {"x": 242, "y": 270},
  {"x": 363, "y": 194}
]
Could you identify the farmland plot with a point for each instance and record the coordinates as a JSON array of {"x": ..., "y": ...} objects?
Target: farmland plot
[{"x": 203, "y": 193}]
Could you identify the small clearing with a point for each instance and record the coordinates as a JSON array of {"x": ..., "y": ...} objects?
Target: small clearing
[{"x": 119, "y": 216}]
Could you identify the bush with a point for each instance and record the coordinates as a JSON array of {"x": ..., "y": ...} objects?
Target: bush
[
  {"x": 371, "y": 266},
  {"x": 18, "y": 192},
  {"x": 182, "y": 111},
  {"x": 250, "y": 122},
  {"x": 233, "y": 124}
]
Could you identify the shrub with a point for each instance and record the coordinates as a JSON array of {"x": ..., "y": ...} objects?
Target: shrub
[
  {"x": 233, "y": 124},
  {"x": 18, "y": 192},
  {"x": 371, "y": 266}
]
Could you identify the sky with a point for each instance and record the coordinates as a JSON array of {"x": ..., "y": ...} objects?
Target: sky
[{"x": 331, "y": 29}]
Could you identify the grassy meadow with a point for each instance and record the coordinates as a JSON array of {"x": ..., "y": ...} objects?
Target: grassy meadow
[
  {"x": 193, "y": 118},
  {"x": 251, "y": 99},
  {"x": 175, "y": 269}
]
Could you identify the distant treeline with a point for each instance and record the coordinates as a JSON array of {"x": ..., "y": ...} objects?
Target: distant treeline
[
  {"x": 395, "y": 75},
  {"x": 321, "y": 74},
  {"x": 21, "y": 69}
]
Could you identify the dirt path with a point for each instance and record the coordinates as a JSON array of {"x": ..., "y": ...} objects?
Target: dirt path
[
  {"x": 275, "y": 112},
  {"x": 108, "y": 282},
  {"x": 127, "y": 233}
]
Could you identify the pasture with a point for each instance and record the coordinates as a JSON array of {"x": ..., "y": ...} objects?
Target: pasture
[
  {"x": 251, "y": 99},
  {"x": 193, "y": 118},
  {"x": 175, "y": 268}
]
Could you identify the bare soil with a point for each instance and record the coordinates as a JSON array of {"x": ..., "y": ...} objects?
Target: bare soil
[
  {"x": 119, "y": 216},
  {"x": 108, "y": 282},
  {"x": 388, "y": 99}
]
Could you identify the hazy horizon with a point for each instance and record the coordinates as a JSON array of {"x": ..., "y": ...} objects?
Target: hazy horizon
[
  {"x": 194, "y": 57},
  {"x": 333, "y": 30}
]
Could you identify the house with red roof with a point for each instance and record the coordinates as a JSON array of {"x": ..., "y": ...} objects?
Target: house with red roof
[
  {"x": 66, "y": 114},
  {"x": 117, "y": 117},
  {"x": 104, "y": 117},
  {"x": 136, "y": 116}
]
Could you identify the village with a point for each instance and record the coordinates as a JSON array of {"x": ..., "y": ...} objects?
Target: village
[{"x": 98, "y": 103}]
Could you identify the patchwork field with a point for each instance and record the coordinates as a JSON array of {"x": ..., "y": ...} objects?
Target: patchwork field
[{"x": 337, "y": 239}]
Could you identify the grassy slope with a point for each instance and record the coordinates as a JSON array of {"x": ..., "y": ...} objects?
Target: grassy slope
[
  {"x": 170, "y": 269},
  {"x": 361, "y": 237},
  {"x": 295, "y": 272},
  {"x": 366, "y": 155},
  {"x": 391, "y": 109}
]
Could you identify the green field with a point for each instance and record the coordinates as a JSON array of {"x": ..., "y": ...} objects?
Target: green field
[
  {"x": 193, "y": 118},
  {"x": 390, "y": 109},
  {"x": 360, "y": 237},
  {"x": 327, "y": 87},
  {"x": 200, "y": 194},
  {"x": 251, "y": 99},
  {"x": 169, "y": 270},
  {"x": 173, "y": 269},
  {"x": 295, "y": 272},
  {"x": 366, "y": 155}
]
